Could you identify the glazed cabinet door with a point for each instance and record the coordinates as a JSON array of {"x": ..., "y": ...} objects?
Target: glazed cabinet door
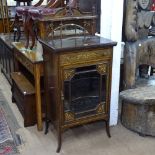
[{"x": 85, "y": 91}]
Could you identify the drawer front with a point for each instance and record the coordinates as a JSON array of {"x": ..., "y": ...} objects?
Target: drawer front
[
  {"x": 85, "y": 56},
  {"x": 25, "y": 62}
]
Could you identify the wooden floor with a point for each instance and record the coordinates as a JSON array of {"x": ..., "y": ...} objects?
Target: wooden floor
[{"x": 84, "y": 140}]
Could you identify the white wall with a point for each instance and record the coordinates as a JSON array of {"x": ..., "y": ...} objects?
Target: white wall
[{"x": 111, "y": 27}]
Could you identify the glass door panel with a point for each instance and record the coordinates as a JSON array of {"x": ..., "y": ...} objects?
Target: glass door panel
[{"x": 85, "y": 91}]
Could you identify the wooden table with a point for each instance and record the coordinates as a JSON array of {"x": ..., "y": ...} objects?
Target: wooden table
[{"x": 34, "y": 64}]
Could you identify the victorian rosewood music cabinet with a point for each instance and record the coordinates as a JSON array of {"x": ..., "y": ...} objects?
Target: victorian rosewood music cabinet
[{"x": 77, "y": 73}]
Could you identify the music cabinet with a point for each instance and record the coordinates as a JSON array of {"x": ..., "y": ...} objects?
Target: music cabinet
[{"x": 77, "y": 73}]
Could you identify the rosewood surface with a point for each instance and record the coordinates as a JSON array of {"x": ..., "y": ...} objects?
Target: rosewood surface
[{"x": 67, "y": 61}]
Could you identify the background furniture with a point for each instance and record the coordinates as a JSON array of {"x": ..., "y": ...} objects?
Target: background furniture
[
  {"x": 22, "y": 11},
  {"x": 4, "y": 16},
  {"x": 138, "y": 100},
  {"x": 138, "y": 110},
  {"x": 76, "y": 11},
  {"x": 23, "y": 93},
  {"x": 77, "y": 73},
  {"x": 139, "y": 38},
  {"x": 28, "y": 63},
  {"x": 47, "y": 22},
  {"x": 6, "y": 56}
]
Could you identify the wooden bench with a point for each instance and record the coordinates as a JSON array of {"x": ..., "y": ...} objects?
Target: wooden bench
[{"x": 23, "y": 93}]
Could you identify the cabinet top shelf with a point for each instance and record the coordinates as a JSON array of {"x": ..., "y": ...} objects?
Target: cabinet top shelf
[{"x": 77, "y": 42}]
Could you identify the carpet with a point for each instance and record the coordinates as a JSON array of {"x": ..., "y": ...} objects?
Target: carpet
[{"x": 9, "y": 140}]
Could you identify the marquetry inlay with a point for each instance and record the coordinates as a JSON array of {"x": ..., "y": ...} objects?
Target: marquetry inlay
[
  {"x": 102, "y": 68},
  {"x": 69, "y": 116},
  {"x": 100, "y": 108},
  {"x": 68, "y": 74},
  {"x": 82, "y": 57}
]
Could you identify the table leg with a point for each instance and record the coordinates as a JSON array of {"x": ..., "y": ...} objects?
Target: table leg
[{"x": 38, "y": 98}]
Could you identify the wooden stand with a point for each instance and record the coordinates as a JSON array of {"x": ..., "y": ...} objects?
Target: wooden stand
[{"x": 33, "y": 66}]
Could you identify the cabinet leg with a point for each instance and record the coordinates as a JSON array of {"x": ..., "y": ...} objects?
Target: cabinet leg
[
  {"x": 13, "y": 99},
  {"x": 59, "y": 142},
  {"x": 46, "y": 126},
  {"x": 107, "y": 128},
  {"x": 142, "y": 135}
]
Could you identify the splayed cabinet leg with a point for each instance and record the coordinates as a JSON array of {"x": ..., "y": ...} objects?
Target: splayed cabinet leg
[{"x": 107, "y": 128}]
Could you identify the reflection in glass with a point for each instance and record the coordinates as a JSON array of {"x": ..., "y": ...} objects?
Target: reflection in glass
[{"x": 67, "y": 30}]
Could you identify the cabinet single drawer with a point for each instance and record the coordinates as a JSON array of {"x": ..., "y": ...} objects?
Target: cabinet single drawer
[{"x": 85, "y": 56}]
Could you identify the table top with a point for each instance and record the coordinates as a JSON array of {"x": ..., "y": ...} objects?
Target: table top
[
  {"x": 7, "y": 38},
  {"x": 77, "y": 43},
  {"x": 32, "y": 55}
]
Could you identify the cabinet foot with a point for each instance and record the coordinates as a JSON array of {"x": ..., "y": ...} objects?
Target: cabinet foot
[
  {"x": 142, "y": 134},
  {"x": 13, "y": 99},
  {"x": 59, "y": 142},
  {"x": 107, "y": 128},
  {"x": 46, "y": 126}
]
